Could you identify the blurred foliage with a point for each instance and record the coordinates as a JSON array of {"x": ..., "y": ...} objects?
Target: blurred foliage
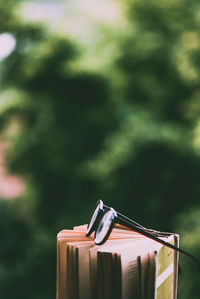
[
  {"x": 127, "y": 132},
  {"x": 189, "y": 272}
]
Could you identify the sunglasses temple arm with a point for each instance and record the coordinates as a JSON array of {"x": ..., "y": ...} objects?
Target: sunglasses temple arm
[
  {"x": 151, "y": 231},
  {"x": 126, "y": 218},
  {"x": 151, "y": 236},
  {"x": 131, "y": 221},
  {"x": 159, "y": 234}
]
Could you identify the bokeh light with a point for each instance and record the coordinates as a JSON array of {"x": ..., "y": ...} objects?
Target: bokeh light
[{"x": 7, "y": 44}]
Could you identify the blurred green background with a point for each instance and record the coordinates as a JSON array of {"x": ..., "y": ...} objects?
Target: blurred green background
[{"x": 98, "y": 99}]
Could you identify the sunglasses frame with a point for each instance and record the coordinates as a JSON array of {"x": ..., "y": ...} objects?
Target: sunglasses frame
[
  {"x": 122, "y": 220},
  {"x": 102, "y": 208}
]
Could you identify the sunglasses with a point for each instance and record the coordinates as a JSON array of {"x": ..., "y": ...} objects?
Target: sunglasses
[{"x": 105, "y": 218}]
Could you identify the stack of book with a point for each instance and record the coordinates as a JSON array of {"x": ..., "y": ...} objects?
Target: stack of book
[{"x": 128, "y": 265}]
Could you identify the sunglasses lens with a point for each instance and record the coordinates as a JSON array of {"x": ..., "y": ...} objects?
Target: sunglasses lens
[
  {"x": 104, "y": 227},
  {"x": 91, "y": 224}
]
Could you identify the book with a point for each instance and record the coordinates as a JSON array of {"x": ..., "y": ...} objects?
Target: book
[{"x": 128, "y": 265}]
